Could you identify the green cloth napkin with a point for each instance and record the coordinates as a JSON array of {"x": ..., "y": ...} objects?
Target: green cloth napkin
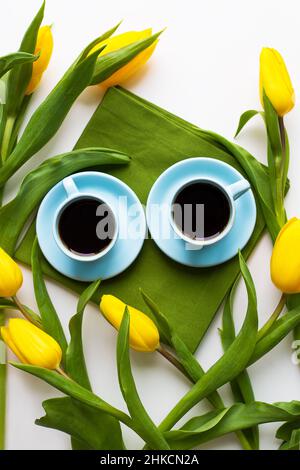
[{"x": 156, "y": 139}]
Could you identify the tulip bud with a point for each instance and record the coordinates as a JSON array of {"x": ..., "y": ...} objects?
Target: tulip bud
[
  {"x": 275, "y": 81},
  {"x": 31, "y": 344},
  {"x": 143, "y": 334},
  {"x": 11, "y": 277},
  {"x": 44, "y": 47},
  {"x": 122, "y": 40},
  {"x": 285, "y": 261}
]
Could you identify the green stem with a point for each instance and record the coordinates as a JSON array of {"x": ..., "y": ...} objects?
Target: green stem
[
  {"x": 279, "y": 203},
  {"x": 243, "y": 440},
  {"x": 284, "y": 153},
  {"x": 29, "y": 315},
  {"x": 89, "y": 398},
  {"x": 17, "y": 124},
  {"x": 9, "y": 126},
  {"x": 174, "y": 361},
  {"x": 265, "y": 328},
  {"x": 281, "y": 176},
  {"x": 3, "y": 373}
]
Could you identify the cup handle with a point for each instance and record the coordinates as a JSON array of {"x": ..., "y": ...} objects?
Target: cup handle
[
  {"x": 70, "y": 186},
  {"x": 238, "y": 189}
]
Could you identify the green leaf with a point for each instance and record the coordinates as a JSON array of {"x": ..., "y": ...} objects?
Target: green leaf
[
  {"x": 163, "y": 325},
  {"x": 241, "y": 386},
  {"x": 229, "y": 366},
  {"x": 127, "y": 385},
  {"x": 16, "y": 86},
  {"x": 76, "y": 368},
  {"x": 75, "y": 362},
  {"x": 49, "y": 116},
  {"x": 245, "y": 117},
  {"x": 20, "y": 76},
  {"x": 227, "y": 333},
  {"x": 12, "y": 136},
  {"x": 272, "y": 124},
  {"x": 39, "y": 181},
  {"x": 276, "y": 163},
  {"x": 10, "y": 61},
  {"x": 284, "y": 432},
  {"x": 186, "y": 358},
  {"x": 31, "y": 316},
  {"x": 109, "y": 63},
  {"x": 76, "y": 391},
  {"x": 91, "y": 430},
  {"x": 257, "y": 174},
  {"x": 237, "y": 417},
  {"x": 290, "y": 434},
  {"x": 6, "y": 304},
  {"x": 97, "y": 41},
  {"x": 50, "y": 320},
  {"x": 77, "y": 444},
  {"x": 280, "y": 329},
  {"x": 293, "y": 443}
]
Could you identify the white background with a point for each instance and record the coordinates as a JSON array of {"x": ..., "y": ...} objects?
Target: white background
[{"x": 205, "y": 69}]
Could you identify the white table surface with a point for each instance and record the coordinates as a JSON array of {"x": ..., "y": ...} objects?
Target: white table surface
[{"x": 205, "y": 69}]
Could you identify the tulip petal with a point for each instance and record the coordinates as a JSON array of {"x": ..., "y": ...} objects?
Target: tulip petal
[
  {"x": 9, "y": 342},
  {"x": 144, "y": 335},
  {"x": 275, "y": 81},
  {"x": 36, "y": 346},
  {"x": 285, "y": 261},
  {"x": 11, "y": 277},
  {"x": 122, "y": 40},
  {"x": 44, "y": 47},
  {"x": 129, "y": 69}
]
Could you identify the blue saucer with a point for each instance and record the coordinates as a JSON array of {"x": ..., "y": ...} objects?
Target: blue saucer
[
  {"x": 127, "y": 246},
  {"x": 162, "y": 194}
]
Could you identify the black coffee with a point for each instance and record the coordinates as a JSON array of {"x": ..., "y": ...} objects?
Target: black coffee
[
  {"x": 189, "y": 216},
  {"x": 86, "y": 226}
]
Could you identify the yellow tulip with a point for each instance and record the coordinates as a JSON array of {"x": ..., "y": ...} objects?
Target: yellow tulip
[
  {"x": 143, "y": 334},
  {"x": 285, "y": 261},
  {"x": 31, "y": 345},
  {"x": 11, "y": 277},
  {"x": 275, "y": 81},
  {"x": 117, "y": 42},
  {"x": 44, "y": 47}
]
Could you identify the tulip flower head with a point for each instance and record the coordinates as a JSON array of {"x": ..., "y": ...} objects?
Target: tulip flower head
[
  {"x": 285, "y": 261},
  {"x": 122, "y": 40},
  {"x": 44, "y": 47},
  {"x": 11, "y": 278},
  {"x": 143, "y": 334},
  {"x": 275, "y": 81},
  {"x": 31, "y": 344}
]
